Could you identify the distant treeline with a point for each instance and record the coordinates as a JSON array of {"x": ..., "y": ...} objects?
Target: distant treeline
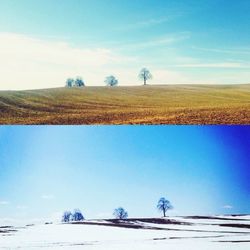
[
  {"x": 111, "y": 80},
  {"x": 120, "y": 213}
]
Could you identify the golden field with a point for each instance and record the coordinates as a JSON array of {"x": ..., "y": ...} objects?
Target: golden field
[{"x": 166, "y": 104}]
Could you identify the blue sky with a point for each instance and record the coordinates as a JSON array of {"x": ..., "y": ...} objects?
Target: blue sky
[
  {"x": 46, "y": 170},
  {"x": 182, "y": 41}
]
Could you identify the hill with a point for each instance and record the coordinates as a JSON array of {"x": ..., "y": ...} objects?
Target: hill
[
  {"x": 190, "y": 233},
  {"x": 168, "y": 104}
]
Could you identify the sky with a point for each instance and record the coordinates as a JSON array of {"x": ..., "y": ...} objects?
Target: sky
[
  {"x": 43, "y": 42},
  {"x": 201, "y": 170}
]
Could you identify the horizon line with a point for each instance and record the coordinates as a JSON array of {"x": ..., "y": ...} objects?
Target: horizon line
[{"x": 129, "y": 86}]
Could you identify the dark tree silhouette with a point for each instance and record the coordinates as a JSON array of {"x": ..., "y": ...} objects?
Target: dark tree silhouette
[
  {"x": 79, "y": 82},
  {"x": 111, "y": 81},
  {"x": 70, "y": 82},
  {"x": 67, "y": 216},
  {"x": 164, "y": 205},
  {"x": 120, "y": 213},
  {"x": 145, "y": 75},
  {"x": 77, "y": 215}
]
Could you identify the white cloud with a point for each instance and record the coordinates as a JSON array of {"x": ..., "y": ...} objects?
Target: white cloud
[
  {"x": 48, "y": 196},
  {"x": 228, "y": 207},
  {"x": 150, "y": 22},
  {"x": 227, "y": 65},
  {"x": 158, "y": 41},
  {"x": 31, "y": 63},
  {"x": 167, "y": 40},
  {"x": 243, "y": 51},
  {"x": 4, "y": 203},
  {"x": 21, "y": 207},
  {"x": 153, "y": 21}
]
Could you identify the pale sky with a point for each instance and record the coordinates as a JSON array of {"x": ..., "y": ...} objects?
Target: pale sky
[{"x": 43, "y": 42}]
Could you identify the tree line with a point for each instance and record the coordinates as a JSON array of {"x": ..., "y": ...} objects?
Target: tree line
[
  {"x": 120, "y": 213},
  {"x": 110, "y": 81}
]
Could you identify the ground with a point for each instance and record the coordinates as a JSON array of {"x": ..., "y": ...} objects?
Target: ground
[
  {"x": 168, "y": 104},
  {"x": 189, "y": 233}
]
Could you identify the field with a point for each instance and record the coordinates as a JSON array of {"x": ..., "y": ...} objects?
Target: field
[
  {"x": 168, "y": 104},
  {"x": 189, "y": 233}
]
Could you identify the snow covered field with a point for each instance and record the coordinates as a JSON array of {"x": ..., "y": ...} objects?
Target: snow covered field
[{"x": 184, "y": 233}]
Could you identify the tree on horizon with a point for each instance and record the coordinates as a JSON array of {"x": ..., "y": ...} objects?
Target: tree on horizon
[
  {"x": 77, "y": 215},
  {"x": 111, "y": 81},
  {"x": 164, "y": 205},
  {"x": 120, "y": 213},
  {"x": 67, "y": 216},
  {"x": 79, "y": 82},
  {"x": 145, "y": 75},
  {"x": 70, "y": 82}
]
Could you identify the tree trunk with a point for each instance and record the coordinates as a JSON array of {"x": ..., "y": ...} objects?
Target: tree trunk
[{"x": 164, "y": 212}]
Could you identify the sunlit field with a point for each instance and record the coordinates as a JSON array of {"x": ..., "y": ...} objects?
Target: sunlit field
[{"x": 169, "y": 104}]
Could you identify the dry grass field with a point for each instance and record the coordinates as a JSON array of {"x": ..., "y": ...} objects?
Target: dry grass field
[{"x": 169, "y": 104}]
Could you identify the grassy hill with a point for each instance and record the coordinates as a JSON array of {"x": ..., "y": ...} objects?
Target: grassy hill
[{"x": 169, "y": 104}]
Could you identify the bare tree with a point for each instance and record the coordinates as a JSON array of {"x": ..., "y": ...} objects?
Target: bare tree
[
  {"x": 120, "y": 213},
  {"x": 77, "y": 215},
  {"x": 111, "y": 81},
  {"x": 164, "y": 205},
  {"x": 67, "y": 216},
  {"x": 79, "y": 82},
  {"x": 70, "y": 82},
  {"x": 145, "y": 75}
]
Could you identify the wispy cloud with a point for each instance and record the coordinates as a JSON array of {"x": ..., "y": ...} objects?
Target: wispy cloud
[
  {"x": 21, "y": 207},
  {"x": 4, "y": 203},
  {"x": 236, "y": 51},
  {"x": 228, "y": 207},
  {"x": 225, "y": 65},
  {"x": 166, "y": 40},
  {"x": 151, "y": 22},
  {"x": 36, "y": 63},
  {"x": 48, "y": 196},
  {"x": 51, "y": 52},
  {"x": 156, "y": 21}
]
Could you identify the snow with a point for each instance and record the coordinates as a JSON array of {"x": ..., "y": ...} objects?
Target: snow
[{"x": 202, "y": 234}]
